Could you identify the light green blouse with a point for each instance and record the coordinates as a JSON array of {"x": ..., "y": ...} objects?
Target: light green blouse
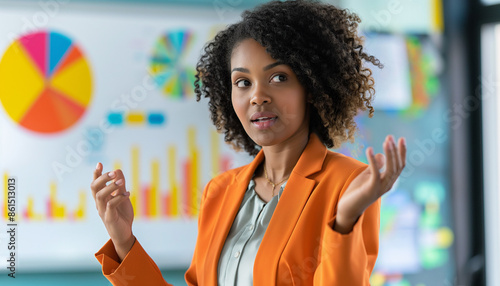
[{"x": 242, "y": 243}]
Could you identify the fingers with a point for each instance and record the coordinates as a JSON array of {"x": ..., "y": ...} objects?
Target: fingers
[
  {"x": 105, "y": 195},
  {"x": 389, "y": 151},
  {"x": 402, "y": 151},
  {"x": 372, "y": 163},
  {"x": 98, "y": 171},
  {"x": 397, "y": 157},
  {"x": 119, "y": 179},
  {"x": 103, "y": 191},
  {"x": 101, "y": 181},
  {"x": 395, "y": 160},
  {"x": 380, "y": 159}
]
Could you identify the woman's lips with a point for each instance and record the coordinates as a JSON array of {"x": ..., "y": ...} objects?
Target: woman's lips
[{"x": 264, "y": 123}]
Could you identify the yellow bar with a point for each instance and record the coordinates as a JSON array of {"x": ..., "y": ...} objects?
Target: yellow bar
[
  {"x": 117, "y": 165},
  {"x": 175, "y": 200},
  {"x": 59, "y": 211},
  {"x": 134, "y": 193},
  {"x": 5, "y": 189},
  {"x": 135, "y": 118},
  {"x": 437, "y": 15},
  {"x": 214, "y": 140},
  {"x": 193, "y": 151},
  {"x": 174, "y": 189},
  {"x": 155, "y": 184},
  {"x": 53, "y": 202},
  {"x": 80, "y": 212},
  {"x": 30, "y": 209}
]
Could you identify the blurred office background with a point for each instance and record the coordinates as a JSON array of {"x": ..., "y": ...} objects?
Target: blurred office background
[{"x": 83, "y": 82}]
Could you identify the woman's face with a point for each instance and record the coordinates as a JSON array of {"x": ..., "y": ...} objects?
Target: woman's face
[{"x": 267, "y": 96}]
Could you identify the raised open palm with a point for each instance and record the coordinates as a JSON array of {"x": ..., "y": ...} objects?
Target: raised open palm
[{"x": 371, "y": 184}]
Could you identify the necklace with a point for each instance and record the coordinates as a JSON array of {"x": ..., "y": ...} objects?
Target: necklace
[{"x": 272, "y": 183}]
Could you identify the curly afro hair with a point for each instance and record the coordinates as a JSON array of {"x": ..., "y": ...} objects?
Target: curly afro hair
[{"x": 321, "y": 45}]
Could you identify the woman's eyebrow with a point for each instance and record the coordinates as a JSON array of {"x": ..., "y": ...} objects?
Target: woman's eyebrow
[
  {"x": 268, "y": 67},
  {"x": 241, "y": 70}
]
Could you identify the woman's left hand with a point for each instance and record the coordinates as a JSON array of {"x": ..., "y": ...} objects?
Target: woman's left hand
[{"x": 370, "y": 184}]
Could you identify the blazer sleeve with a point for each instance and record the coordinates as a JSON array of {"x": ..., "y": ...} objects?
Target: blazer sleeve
[
  {"x": 348, "y": 259},
  {"x": 136, "y": 269}
]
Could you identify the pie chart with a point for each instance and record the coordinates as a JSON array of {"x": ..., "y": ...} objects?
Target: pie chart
[
  {"x": 171, "y": 74},
  {"x": 45, "y": 82}
]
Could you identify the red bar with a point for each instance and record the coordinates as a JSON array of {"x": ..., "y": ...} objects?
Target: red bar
[
  {"x": 50, "y": 209},
  {"x": 225, "y": 163},
  {"x": 145, "y": 201},
  {"x": 166, "y": 208}
]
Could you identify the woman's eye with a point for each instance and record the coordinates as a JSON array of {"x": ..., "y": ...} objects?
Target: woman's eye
[
  {"x": 279, "y": 78},
  {"x": 242, "y": 83}
]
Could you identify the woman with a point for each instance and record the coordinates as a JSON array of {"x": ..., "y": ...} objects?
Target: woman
[{"x": 283, "y": 84}]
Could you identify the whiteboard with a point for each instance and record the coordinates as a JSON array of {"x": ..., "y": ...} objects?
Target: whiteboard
[{"x": 112, "y": 68}]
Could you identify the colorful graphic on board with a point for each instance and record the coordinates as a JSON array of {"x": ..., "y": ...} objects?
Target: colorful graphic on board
[
  {"x": 182, "y": 194},
  {"x": 45, "y": 82},
  {"x": 171, "y": 75},
  {"x": 425, "y": 83},
  {"x": 173, "y": 188},
  {"x": 136, "y": 118}
]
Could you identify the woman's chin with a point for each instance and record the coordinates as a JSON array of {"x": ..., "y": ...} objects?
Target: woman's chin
[{"x": 267, "y": 139}]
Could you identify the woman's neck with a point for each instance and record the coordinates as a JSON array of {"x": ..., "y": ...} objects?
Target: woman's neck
[{"x": 279, "y": 160}]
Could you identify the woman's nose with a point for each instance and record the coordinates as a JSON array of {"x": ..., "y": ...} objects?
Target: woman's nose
[{"x": 260, "y": 96}]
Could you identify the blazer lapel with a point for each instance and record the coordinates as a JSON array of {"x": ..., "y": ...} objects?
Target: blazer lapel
[
  {"x": 231, "y": 204},
  {"x": 288, "y": 211}
]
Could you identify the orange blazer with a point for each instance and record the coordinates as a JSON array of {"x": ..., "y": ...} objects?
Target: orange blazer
[{"x": 299, "y": 246}]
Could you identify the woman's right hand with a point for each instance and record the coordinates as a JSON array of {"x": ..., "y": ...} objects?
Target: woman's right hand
[{"x": 114, "y": 207}]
